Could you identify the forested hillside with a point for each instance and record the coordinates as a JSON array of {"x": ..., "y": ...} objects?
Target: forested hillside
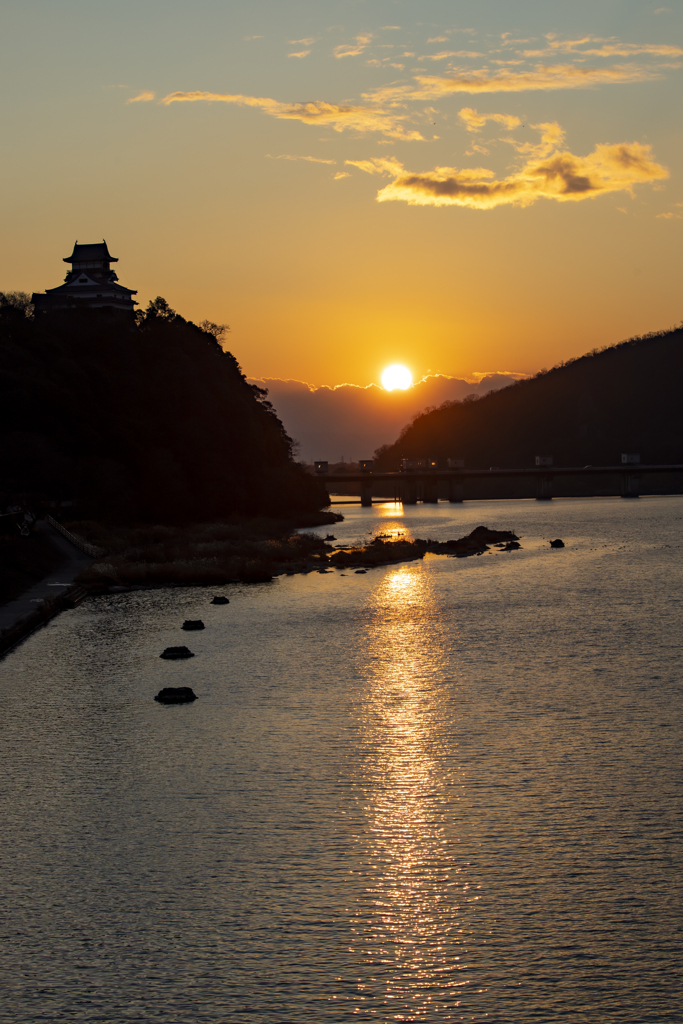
[
  {"x": 146, "y": 422},
  {"x": 626, "y": 398}
]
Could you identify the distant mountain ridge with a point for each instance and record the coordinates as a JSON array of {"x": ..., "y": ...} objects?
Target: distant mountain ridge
[
  {"x": 625, "y": 398},
  {"x": 352, "y": 421}
]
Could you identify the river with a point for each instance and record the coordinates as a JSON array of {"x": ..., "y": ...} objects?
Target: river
[{"x": 447, "y": 790}]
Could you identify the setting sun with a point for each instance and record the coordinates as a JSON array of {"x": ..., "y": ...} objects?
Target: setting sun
[{"x": 397, "y": 376}]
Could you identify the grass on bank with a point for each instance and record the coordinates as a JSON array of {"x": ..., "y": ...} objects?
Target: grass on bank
[
  {"x": 245, "y": 550},
  {"x": 249, "y": 550}
]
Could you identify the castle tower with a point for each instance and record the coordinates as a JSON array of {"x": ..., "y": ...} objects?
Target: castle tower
[{"x": 90, "y": 284}]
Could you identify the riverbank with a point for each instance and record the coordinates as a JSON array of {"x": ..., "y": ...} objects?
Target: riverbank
[
  {"x": 203, "y": 554},
  {"x": 208, "y": 554},
  {"x": 25, "y": 560},
  {"x": 247, "y": 551},
  {"x": 57, "y": 573},
  {"x": 49, "y": 565}
]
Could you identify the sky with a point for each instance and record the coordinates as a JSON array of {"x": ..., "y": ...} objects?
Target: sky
[
  {"x": 462, "y": 187},
  {"x": 348, "y": 422}
]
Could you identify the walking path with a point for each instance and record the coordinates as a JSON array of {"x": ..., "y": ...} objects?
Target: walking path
[{"x": 51, "y": 586}]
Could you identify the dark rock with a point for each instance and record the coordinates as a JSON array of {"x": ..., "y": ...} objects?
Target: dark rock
[
  {"x": 475, "y": 543},
  {"x": 360, "y": 572},
  {"x": 330, "y": 536},
  {"x": 557, "y": 543},
  {"x": 171, "y": 653},
  {"x": 485, "y": 536},
  {"x": 176, "y": 695},
  {"x": 193, "y": 624},
  {"x": 512, "y": 545},
  {"x": 220, "y": 600}
]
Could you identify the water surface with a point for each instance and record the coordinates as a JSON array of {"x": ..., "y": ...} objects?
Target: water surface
[{"x": 448, "y": 790}]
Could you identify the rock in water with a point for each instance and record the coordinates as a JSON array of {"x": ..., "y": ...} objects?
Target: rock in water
[
  {"x": 171, "y": 653},
  {"x": 193, "y": 624},
  {"x": 360, "y": 572},
  {"x": 176, "y": 695},
  {"x": 557, "y": 543},
  {"x": 220, "y": 600}
]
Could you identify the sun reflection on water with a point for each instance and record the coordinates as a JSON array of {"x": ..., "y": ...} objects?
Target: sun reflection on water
[
  {"x": 407, "y": 926},
  {"x": 393, "y": 509}
]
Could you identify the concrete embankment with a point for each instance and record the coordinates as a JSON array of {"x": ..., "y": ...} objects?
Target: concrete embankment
[{"x": 44, "y": 600}]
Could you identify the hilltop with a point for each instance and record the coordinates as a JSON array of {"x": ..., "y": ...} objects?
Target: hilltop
[
  {"x": 138, "y": 422},
  {"x": 623, "y": 398}
]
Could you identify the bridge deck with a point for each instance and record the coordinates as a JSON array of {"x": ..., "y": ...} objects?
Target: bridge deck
[{"x": 463, "y": 474}]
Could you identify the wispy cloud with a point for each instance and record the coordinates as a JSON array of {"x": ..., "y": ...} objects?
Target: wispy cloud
[
  {"x": 552, "y": 137},
  {"x": 360, "y": 44},
  {"x": 377, "y": 165},
  {"x": 308, "y": 159},
  {"x": 559, "y": 175},
  {"x": 557, "y": 76},
  {"x": 308, "y": 41},
  {"x": 607, "y": 48},
  {"x": 474, "y": 121},
  {"x": 438, "y": 56},
  {"x": 513, "y": 374},
  {"x": 142, "y": 97},
  {"x": 317, "y": 112},
  {"x": 450, "y": 53},
  {"x": 301, "y": 53}
]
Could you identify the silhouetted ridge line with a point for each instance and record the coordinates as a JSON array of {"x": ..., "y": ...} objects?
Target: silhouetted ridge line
[
  {"x": 623, "y": 398},
  {"x": 144, "y": 420}
]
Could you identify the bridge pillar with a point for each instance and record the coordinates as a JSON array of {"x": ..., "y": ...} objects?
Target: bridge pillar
[
  {"x": 409, "y": 492},
  {"x": 544, "y": 488},
  {"x": 366, "y": 492},
  {"x": 630, "y": 485},
  {"x": 430, "y": 491},
  {"x": 456, "y": 490}
]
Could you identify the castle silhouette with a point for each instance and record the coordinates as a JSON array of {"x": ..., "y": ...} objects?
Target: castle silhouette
[{"x": 90, "y": 284}]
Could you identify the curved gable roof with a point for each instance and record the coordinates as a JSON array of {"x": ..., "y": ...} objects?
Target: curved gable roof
[{"x": 90, "y": 253}]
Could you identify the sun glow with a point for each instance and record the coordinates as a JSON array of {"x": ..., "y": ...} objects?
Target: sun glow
[{"x": 397, "y": 376}]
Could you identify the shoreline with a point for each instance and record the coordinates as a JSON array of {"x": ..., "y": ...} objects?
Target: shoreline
[
  {"x": 25, "y": 613},
  {"x": 319, "y": 557}
]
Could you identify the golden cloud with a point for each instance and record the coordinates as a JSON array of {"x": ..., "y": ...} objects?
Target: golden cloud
[
  {"x": 317, "y": 112},
  {"x": 557, "y": 76},
  {"x": 142, "y": 97},
  {"x": 308, "y": 159},
  {"x": 474, "y": 121},
  {"x": 353, "y": 49},
  {"x": 301, "y": 53},
  {"x": 608, "y": 48},
  {"x": 552, "y": 137},
  {"x": 559, "y": 175},
  {"x": 377, "y": 165}
]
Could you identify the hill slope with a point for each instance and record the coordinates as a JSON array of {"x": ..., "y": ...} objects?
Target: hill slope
[
  {"x": 626, "y": 398},
  {"x": 154, "y": 422}
]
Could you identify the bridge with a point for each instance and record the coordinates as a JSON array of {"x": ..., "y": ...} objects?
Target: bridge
[{"x": 410, "y": 486}]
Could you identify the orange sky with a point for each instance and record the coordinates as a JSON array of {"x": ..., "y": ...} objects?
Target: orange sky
[{"x": 461, "y": 188}]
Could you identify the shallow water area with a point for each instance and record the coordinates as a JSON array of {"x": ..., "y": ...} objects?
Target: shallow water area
[{"x": 447, "y": 790}]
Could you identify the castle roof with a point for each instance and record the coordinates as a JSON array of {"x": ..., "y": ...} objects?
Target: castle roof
[{"x": 90, "y": 253}]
